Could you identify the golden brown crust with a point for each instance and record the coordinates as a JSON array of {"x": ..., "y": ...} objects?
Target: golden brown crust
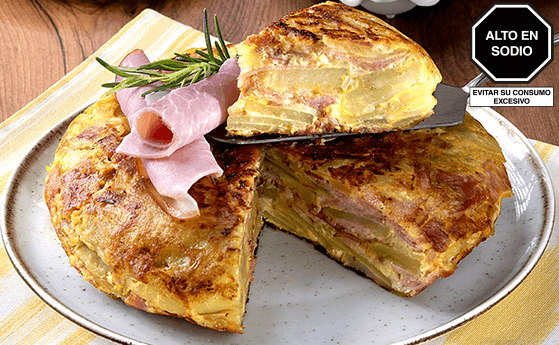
[
  {"x": 338, "y": 26},
  {"x": 125, "y": 245}
]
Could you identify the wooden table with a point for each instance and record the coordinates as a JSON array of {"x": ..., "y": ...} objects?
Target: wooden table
[{"x": 45, "y": 39}]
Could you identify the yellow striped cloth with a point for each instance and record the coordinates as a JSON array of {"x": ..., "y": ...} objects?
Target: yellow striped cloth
[{"x": 530, "y": 315}]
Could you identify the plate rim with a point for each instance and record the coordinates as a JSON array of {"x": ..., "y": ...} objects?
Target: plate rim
[{"x": 28, "y": 276}]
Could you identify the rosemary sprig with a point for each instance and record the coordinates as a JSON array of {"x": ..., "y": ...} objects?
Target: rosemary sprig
[{"x": 180, "y": 71}]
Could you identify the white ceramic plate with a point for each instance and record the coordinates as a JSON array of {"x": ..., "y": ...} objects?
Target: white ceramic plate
[{"x": 298, "y": 295}]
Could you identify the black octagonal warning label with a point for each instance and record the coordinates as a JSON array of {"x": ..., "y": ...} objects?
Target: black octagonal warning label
[{"x": 511, "y": 43}]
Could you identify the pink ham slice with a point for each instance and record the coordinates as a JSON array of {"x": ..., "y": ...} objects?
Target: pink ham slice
[
  {"x": 130, "y": 99},
  {"x": 183, "y": 115},
  {"x": 172, "y": 177},
  {"x": 183, "y": 155}
]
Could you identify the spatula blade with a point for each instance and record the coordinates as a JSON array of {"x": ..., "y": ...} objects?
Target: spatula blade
[{"x": 450, "y": 109}]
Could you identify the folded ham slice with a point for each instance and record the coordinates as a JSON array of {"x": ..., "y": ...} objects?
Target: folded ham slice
[
  {"x": 130, "y": 99},
  {"x": 183, "y": 115},
  {"x": 167, "y": 135},
  {"x": 171, "y": 177}
]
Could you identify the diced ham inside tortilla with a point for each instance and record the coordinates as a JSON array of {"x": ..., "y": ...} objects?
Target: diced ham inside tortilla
[
  {"x": 183, "y": 115},
  {"x": 167, "y": 135}
]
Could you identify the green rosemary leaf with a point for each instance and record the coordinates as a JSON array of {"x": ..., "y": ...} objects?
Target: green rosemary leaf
[
  {"x": 111, "y": 85},
  {"x": 136, "y": 82},
  {"x": 166, "y": 65},
  {"x": 155, "y": 89},
  {"x": 188, "y": 58},
  {"x": 203, "y": 54},
  {"x": 113, "y": 69},
  {"x": 220, "y": 38},
  {"x": 180, "y": 71},
  {"x": 197, "y": 77},
  {"x": 207, "y": 36},
  {"x": 220, "y": 52},
  {"x": 138, "y": 72}
]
